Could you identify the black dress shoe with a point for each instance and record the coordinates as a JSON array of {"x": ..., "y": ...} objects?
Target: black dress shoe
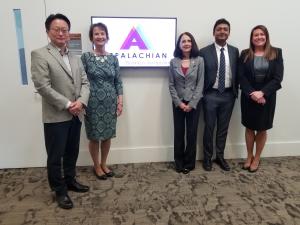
[
  {"x": 207, "y": 165},
  {"x": 178, "y": 169},
  {"x": 185, "y": 171},
  {"x": 100, "y": 177},
  {"x": 77, "y": 187},
  {"x": 223, "y": 164},
  {"x": 64, "y": 201}
]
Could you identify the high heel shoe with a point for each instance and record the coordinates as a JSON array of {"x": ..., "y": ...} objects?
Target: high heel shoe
[
  {"x": 246, "y": 166},
  {"x": 100, "y": 177},
  {"x": 253, "y": 170},
  {"x": 110, "y": 173}
]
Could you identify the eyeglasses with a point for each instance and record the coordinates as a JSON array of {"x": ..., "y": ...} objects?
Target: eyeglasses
[{"x": 58, "y": 30}]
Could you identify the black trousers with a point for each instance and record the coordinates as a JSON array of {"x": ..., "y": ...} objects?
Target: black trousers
[
  {"x": 185, "y": 128},
  {"x": 217, "y": 109},
  {"x": 62, "y": 145}
]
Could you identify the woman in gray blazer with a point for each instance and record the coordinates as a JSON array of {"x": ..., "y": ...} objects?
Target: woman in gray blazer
[{"x": 186, "y": 86}]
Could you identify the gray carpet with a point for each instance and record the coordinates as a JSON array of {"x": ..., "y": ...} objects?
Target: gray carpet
[{"x": 153, "y": 193}]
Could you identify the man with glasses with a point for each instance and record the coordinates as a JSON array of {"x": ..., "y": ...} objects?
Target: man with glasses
[{"x": 60, "y": 79}]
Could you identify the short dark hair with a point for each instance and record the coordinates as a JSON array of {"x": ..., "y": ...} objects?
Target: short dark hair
[
  {"x": 221, "y": 21},
  {"x": 52, "y": 17},
  {"x": 101, "y": 26},
  {"x": 194, "y": 50}
]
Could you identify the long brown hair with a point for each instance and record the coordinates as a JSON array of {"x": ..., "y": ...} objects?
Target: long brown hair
[{"x": 270, "y": 52}]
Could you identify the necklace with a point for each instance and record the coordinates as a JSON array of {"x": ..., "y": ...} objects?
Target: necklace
[{"x": 101, "y": 58}]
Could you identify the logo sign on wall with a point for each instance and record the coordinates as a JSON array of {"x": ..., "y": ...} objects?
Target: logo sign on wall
[
  {"x": 140, "y": 42},
  {"x": 74, "y": 44}
]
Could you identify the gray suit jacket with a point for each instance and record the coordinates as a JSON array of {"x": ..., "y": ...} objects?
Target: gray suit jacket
[
  {"x": 57, "y": 84},
  {"x": 187, "y": 87},
  {"x": 211, "y": 66}
]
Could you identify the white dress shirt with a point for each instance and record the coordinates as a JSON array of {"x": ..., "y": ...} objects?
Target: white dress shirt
[{"x": 228, "y": 75}]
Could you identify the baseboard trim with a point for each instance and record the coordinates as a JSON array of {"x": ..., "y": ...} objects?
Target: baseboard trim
[
  {"x": 165, "y": 153},
  {"x": 155, "y": 154}
]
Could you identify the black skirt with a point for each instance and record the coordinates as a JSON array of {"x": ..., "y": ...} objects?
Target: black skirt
[{"x": 256, "y": 116}]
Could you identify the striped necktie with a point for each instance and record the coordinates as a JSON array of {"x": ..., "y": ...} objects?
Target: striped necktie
[{"x": 221, "y": 86}]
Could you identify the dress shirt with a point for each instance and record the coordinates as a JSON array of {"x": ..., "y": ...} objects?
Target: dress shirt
[{"x": 228, "y": 75}]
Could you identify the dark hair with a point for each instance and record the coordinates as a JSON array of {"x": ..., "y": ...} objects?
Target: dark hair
[
  {"x": 101, "y": 26},
  {"x": 270, "y": 52},
  {"x": 194, "y": 50},
  {"x": 221, "y": 21},
  {"x": 52, "y": 17}
]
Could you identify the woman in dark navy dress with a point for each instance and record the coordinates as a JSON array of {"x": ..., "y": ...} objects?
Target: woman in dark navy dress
[
  {"x": 260, "y": 76},
  {"x": 106, "y": 98}
]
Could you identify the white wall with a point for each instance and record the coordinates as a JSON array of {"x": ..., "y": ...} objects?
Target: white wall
[{"x": 145, "y": 130}]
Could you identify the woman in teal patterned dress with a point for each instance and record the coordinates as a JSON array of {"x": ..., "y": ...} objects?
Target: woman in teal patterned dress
[{"x": 106, "y": 98}]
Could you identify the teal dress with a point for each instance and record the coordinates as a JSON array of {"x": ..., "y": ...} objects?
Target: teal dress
[{"x": 103, "y": 73}]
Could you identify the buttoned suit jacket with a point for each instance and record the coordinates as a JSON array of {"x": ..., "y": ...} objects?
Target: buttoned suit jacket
[
  {"x": 187, "y": 87},
  {"x": 210, "y": 57},
  {"x": 57, "y": 84}
]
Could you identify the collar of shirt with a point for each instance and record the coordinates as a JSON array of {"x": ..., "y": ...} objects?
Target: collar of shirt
[
  {"x": 59, "y": 50},
  {"x": 218, "y": 47},
  {"x": 64, "y": 56}
]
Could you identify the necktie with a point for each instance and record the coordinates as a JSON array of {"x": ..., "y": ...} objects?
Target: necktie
[{"x": 221, "y": 86}]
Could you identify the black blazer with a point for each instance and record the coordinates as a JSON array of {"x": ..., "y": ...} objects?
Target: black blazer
[
  {"x": 273, "y": 78},
  {"x": 210, "y": 57}
]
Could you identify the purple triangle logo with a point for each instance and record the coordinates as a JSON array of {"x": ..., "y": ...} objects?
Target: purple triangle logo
[{"x": 134, "y": 39}]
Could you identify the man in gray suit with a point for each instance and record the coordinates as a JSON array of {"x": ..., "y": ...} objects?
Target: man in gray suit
[
  {"x": 60, "y": 79},
  {"x": 220, "y": 91}
]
